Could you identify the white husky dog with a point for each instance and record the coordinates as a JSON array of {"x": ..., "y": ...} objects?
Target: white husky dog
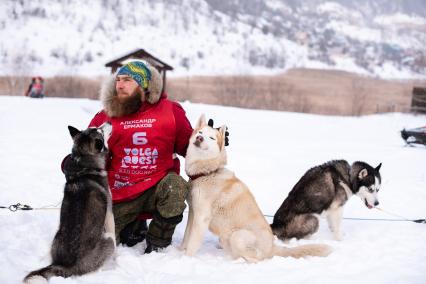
[{"x": 220, "y": 202}]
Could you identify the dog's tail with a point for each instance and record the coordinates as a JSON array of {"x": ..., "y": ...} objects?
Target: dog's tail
[
  {"x": 303, "y": 251},
  {"x": 42, "y": 275}
]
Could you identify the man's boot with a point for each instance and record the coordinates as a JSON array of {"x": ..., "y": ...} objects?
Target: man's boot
[
  {"x": 134, "y": 233},
  {"x": 160, "y": 232}
]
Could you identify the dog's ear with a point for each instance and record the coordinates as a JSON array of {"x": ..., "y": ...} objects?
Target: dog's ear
[
  {"x": 201, "y": 121},
  {"x": 362, "y": 174},
  {"x": 378, "y": 167},
  {"x": 222, "y": 131},
  {"x": 73, "y": 131}
]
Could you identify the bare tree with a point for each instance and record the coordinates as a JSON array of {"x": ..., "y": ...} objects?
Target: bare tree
[
  {"x": 18, "y": 80},
  {"x": 359, "y": 97}
]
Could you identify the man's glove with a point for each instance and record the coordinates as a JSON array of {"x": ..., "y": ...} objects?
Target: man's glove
[
  {"x": 210, "y": 123},
  {"x": 64, "y": 161}
]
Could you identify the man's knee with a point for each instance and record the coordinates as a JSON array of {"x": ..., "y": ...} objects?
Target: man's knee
[
  {"x": 126, "y": 213},
  {"x": 170, "y": 196}
]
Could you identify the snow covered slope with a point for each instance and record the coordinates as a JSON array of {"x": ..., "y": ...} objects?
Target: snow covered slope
[{"x": 205, "y": 37}]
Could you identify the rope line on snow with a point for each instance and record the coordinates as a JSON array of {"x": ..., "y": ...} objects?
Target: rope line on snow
[
  {"x": 403, "y": 219},
  {"x": 421, "y": 221},
  {"x": 19, "y": 206}
]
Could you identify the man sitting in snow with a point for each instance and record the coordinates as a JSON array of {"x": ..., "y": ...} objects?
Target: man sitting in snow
[{"x": 143, "y": 171}]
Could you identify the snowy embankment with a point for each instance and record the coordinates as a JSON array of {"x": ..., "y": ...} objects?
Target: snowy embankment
[{"x": 269, "y": 151}]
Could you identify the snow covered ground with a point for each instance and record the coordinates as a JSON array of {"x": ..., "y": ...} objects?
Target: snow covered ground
[{"x": 269, "y": 151}]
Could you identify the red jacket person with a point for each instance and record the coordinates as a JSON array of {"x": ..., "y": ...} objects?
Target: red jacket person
[{"x": 143, "y": 170}]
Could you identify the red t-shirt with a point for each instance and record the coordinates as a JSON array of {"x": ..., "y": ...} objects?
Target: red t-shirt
[{"x": 142, "y": 146}]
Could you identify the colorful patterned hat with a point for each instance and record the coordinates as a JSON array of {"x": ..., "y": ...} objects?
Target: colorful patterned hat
[{"x": 138, "y": 71}]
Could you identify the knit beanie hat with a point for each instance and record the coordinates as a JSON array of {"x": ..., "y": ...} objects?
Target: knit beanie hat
[
  {"x": 147, "y": 77},
  {"x": 138, "y": 71}
]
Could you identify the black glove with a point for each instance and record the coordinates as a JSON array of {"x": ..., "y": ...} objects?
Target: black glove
[
  {"x": 210, "y": 123},
  {"x": 64, "y": 161}
]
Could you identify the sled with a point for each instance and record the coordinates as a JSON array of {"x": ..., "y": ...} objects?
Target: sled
[{"x": 414, "y": 135}]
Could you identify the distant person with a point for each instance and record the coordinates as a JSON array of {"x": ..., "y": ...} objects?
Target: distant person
[{"x": 35, "y": 89}]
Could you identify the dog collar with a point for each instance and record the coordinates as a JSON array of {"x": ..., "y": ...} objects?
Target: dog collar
[{"x": 194, "y": 177}]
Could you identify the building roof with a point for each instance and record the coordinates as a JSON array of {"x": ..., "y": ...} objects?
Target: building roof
[{"x": 139, "y": 54}]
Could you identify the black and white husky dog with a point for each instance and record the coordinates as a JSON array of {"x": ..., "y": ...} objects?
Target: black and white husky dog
[
  {"x": 325, "y": 188},
  {"x": 86, "y": 234}
]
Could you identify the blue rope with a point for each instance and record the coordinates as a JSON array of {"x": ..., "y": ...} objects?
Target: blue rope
[
  {"x": 420, "y": 221},
  {"x": 395, "y": 220}
]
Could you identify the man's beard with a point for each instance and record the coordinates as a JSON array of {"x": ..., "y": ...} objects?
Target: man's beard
[{"x": 127, "y": 104}]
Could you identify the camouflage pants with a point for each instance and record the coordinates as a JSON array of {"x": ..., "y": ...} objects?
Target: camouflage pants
[{"x": 165, "y": 201}]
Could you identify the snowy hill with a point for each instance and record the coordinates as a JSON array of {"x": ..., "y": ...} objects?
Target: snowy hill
[
  {"x": 205, "y": 37},
  {"x": 269, "y": 151}
]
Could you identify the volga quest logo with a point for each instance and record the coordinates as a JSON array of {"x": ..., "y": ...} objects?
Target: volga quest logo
[{"x": 140, "y": 157}]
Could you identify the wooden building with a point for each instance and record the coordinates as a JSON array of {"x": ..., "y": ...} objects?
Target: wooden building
[
  {"x": 141, "y": 54},
  {"x": 418, "y": 101}
]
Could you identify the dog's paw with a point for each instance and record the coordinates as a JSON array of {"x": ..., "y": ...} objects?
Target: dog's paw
[
  {"x": 112, "y": 237},
  {"x": 338, "y": 236}
]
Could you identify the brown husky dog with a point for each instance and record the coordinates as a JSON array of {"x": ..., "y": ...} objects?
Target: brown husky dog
[{"x": 219, "y": 201}]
